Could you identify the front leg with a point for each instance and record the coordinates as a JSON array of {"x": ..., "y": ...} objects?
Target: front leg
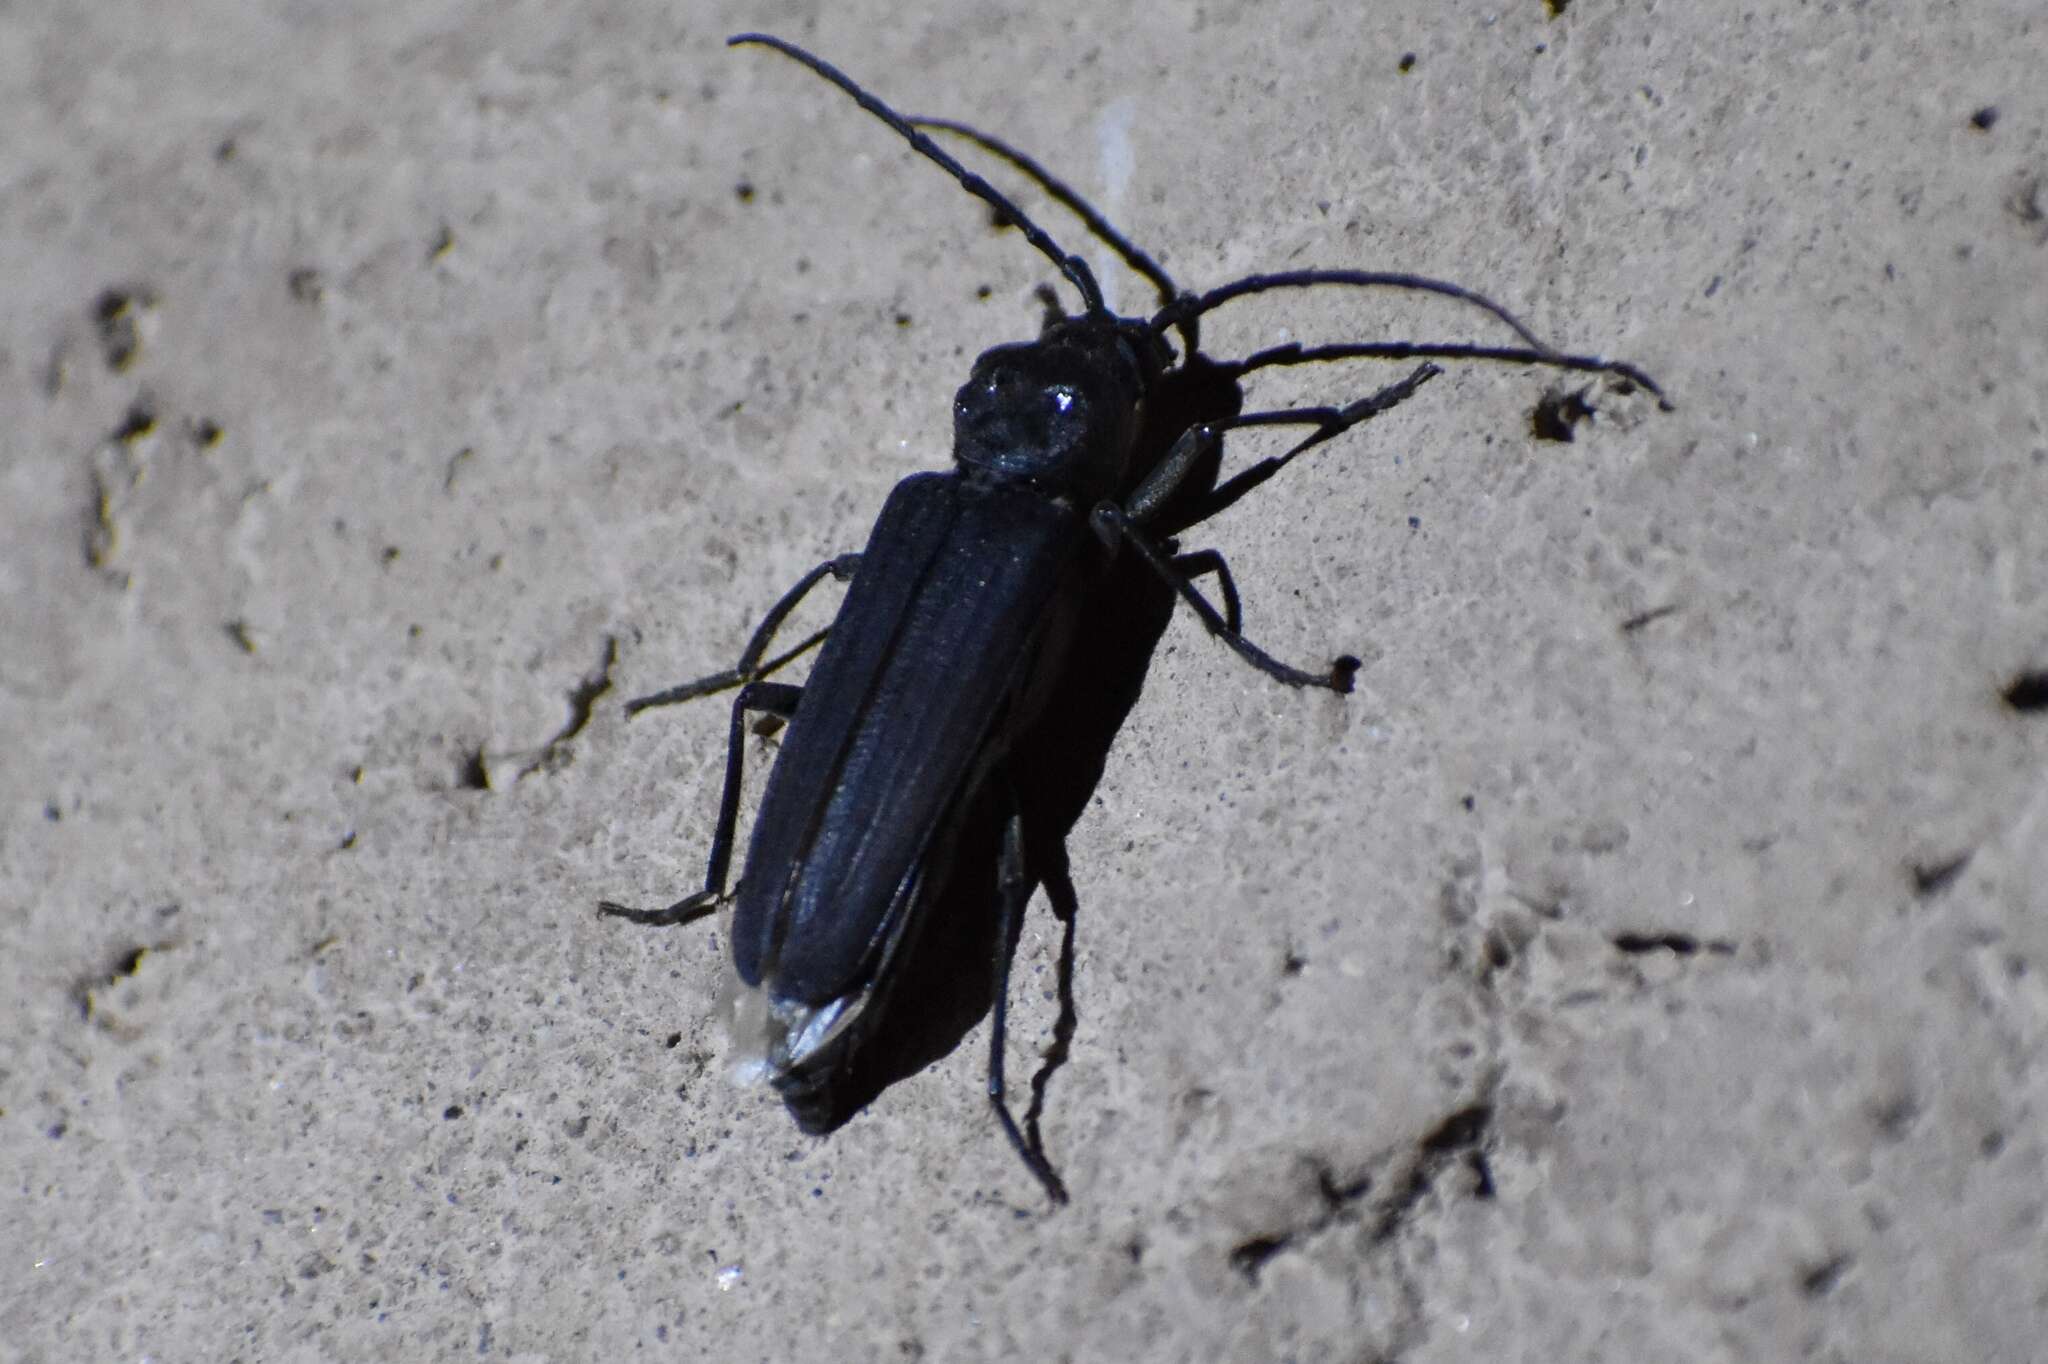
[
  {"x": 1112, "y": 523},
  {"x": 1202, "y": 440},
  {"x": 1129, "y": 522}
]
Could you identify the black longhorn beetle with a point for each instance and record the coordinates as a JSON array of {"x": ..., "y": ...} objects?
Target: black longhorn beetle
[{"x": 943, "y": 677}]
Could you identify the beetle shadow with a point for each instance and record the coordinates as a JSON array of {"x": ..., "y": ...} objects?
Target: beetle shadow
[{"x": 944, "y": 985}]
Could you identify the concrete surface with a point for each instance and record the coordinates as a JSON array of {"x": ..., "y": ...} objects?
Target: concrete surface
[{"x": 364, "y": 371}]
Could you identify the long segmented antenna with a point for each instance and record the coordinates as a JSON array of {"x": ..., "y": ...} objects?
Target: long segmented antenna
[
  {"x": 1073, "y": 267},
  {"x": 1100, "y": 227},
  {"x": 1067, "y": 197},
  {"x": 1538, "y": 352},
  {"x": 1294, "y": 353}
]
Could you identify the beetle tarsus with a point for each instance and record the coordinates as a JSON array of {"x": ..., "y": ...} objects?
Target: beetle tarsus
[{"x": 686, "y": 910}]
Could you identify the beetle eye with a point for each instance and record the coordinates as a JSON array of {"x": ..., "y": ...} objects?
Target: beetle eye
[{"x": 1062, "y": 397}]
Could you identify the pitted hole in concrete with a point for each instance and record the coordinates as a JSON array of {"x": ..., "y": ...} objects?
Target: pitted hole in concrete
[
  {"x": 2027, "y": 693},
  {"x": 1931, "y": 878},
  {"x": 474, "y": 773}
]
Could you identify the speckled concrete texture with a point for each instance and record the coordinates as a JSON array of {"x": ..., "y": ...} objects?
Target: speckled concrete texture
[{"x": 1646, "y": 963}]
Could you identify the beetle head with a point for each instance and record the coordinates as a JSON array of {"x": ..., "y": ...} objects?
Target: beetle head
[{"x": 1058, "y": 413}]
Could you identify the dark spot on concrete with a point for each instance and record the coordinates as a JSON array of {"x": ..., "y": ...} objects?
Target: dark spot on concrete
[
  {"x": 304, "y": 284},
  {"x": 744, "y": 192},
  {"x": 1895, "y": 1116},
  {"x": 451, "y": 1112},
  {"x": 137, "y": 423},
  {"x": 1984, "y": 118},
  {"x": 1649, "y": 617},
  {"x": 1820, "y": 1280},
  {"x": 473, "y": 774},
  {"x": 1249, "y": 1257},
  {"x": 1558, "y": 411},
  {"x": 455, "y": 463},
  {"x": 2024, "y": 203},
  {"x": 1459, "y": 1137},
  {"x": 114, "y": 315},
  {"x": 1461, "y": 1130},
  {"x": 124, "y": 966},
  {"x": 1931, "y": 878},
  {"x": 1406, "y": 64},
  {"x": 1336, "y": 1193},
  {"x": 2028, "y": 692},
  {"x": 1679, "y": 944}
]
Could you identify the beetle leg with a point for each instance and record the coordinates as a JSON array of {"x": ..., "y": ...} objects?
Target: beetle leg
[
  {"x": 1111, "y": 521},
  {"x": 1341, "y": 420},
  {"x": 1014, "y": 891},
  {"x": 1197, "y": 562},
  {"x": 776, "y": 698},
  {"x": 1201, "y": 440},
  {"x": 750, "y": 668}
]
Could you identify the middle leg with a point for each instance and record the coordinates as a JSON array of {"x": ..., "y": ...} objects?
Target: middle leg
[{"x": 774, "y": 698}]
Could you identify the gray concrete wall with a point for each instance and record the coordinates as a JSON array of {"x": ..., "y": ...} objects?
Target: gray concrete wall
[{"x": 372, "y": 377}]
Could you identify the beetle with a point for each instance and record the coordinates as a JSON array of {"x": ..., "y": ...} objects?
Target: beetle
[{"x": 955, "y": 627}]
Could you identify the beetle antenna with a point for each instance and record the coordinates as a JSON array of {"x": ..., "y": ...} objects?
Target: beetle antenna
[
  {"x": 1073, "y": 267},
  {"x": 1067, "y": 197},
  {"x": 1538, "y": 351},
  {"x": 1294, "y": 353}
]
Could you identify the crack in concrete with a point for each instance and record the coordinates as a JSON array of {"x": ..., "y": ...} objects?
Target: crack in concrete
[{"x": 583, "y": 697}]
